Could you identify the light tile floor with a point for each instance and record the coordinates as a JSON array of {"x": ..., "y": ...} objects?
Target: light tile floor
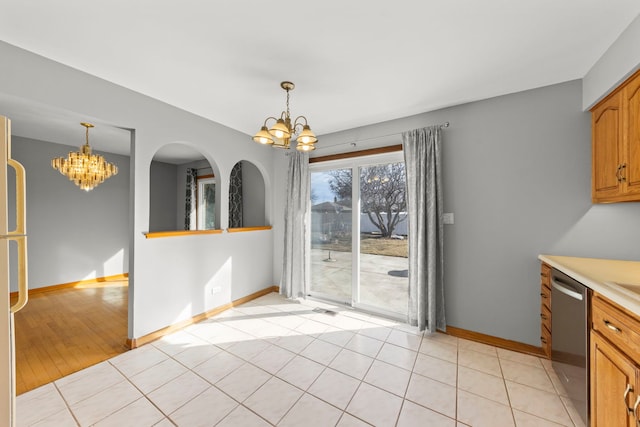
[{"x": 274, "y": 361}]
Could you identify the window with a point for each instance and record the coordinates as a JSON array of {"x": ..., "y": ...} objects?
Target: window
[{"x": 206, "y": 213}]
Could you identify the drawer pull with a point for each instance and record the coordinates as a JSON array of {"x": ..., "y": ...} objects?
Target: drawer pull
[
  {"x": 543, "y": 339},
  {"x": 543, "y": 295},
  {"x": 618, "y": 175},
  {"x": 635, "y": 410},
  {"x": 612, "y": 327},
  {"x": 543, "y": 316},
  {"x": 624, "y": 397}
]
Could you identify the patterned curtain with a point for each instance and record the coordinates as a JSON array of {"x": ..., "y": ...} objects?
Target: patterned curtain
[
  {"x": 235, "y": 197},
  {"x": 190, "y": 200}
]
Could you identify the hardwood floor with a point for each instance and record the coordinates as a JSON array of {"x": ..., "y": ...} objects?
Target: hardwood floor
[{"x": 63, "y": 331}]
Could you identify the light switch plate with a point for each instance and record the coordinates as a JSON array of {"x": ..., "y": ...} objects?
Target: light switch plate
[{"x": 447, "y": 218}]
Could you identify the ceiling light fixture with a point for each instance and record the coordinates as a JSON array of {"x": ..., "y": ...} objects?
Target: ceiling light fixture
[
  {"x": 86, "y": 170},
  {"x": 283, "y": 129}
]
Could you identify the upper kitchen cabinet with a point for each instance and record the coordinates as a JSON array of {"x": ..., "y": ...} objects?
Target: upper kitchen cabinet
[{"x": 615, "y": 126}]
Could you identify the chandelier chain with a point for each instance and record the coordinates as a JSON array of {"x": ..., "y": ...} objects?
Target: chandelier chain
[{"x": 288, "y": 114}]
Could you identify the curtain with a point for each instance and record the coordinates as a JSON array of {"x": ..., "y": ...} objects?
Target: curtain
[
  {"x": 422, "y": 152},
  {"x": 235, "y": 197},
  {"x": 190, "y": 200},
  {"x": 292, "y": 283}
]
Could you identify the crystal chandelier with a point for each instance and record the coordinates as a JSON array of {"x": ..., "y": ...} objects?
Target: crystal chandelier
[
  {"x": 86, "y": 170},
  {"x": 283, "y": 129}
]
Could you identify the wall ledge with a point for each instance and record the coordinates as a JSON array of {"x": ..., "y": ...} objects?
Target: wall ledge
[
  {"x": 158, "y": 234},
  {"x": 243, "y": 229}
]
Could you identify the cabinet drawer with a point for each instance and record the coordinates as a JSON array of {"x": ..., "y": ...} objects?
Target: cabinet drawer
[
  {"x": 545, "y": 297},
  {"x": 545, "y": 275},
  {"x": 545, "y": 339},
  {"x": 545, "y": 317},
  {"x": 618, "y": 327}
]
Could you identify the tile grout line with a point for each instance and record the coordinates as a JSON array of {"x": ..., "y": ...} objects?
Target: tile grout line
[
  {"x": 124, "y": 379},
  {"x": 506, "y": 389},
  {"x": 144, "y": 395},
  {"x": 66, "y": 403},
  {"x": 457, "y": 379}
]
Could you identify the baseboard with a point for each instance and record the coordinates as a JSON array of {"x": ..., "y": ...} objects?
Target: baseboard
[
  {"x": 145, "y": 339},
  {"x": 495, "y": 341},
  {"x": 77, "y": 284}
]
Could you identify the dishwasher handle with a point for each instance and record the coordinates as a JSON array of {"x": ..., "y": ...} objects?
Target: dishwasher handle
[{"x": 566, "y": 288}]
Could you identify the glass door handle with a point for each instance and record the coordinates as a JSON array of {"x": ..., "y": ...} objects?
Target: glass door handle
[
  {"x": 19, "y": 235},
  {"x": 21, "y": 184}
]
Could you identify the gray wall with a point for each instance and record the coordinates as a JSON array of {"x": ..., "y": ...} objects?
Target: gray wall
[
  {"x": 73, "y": 234},
  {"x": 517, "y": 172},
  {"x": 618, "y": 62},
  {"x": 171, "y": 279},
  {"x": 162, "y": 197}
]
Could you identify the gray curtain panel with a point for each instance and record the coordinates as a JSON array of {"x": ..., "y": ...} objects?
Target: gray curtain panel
[
  {"x": 422, "y": 152},
  {"x": 235, "y": 197},
  {"x": 292, "y": 284},
  {"x": 190, "y": 200}
]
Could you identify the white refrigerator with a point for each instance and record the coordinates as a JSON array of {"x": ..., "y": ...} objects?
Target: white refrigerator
[{"x": 18, "y": 235}]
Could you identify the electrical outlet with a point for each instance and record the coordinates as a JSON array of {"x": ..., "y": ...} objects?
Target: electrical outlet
[
  {"x": 216, "y": 290},
  {"x": 447, "y": 218}
]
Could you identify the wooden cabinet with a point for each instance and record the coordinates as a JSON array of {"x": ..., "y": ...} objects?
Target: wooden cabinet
[
  {"x": 631, "y": 136},
  {"x": 615, "y": 129},
  {"x": 613, "y": 385},
  {"x": 615, "y": 369},
  {"x": 545, "y": 309}
]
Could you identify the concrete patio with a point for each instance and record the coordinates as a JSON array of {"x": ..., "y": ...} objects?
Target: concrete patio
[{"x": 381, "y": 281}]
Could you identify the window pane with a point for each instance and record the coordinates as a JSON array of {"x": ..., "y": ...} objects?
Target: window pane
[
  {"x": 206, "y": 204},
  {"x": 331, "y": 214},
  {"x": 383, "y": 237},
  {"x": 209, "y": 211}
]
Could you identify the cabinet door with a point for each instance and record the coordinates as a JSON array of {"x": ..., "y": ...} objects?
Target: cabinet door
[
  {"x": 631, "y": 136},
  {"x": 611, "y": 374},
  {"x": 606, "y": 146}
]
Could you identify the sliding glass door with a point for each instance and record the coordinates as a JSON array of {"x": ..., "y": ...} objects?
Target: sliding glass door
[{"x": 359, "y": 241}]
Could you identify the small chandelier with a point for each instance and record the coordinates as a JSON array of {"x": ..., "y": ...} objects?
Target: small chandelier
[
  {"x": 283, "y": 129},
  {"x": 86, "y": 170}
]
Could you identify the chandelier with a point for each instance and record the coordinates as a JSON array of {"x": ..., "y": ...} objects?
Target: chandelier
[
  {"x": 283, "y": 129},
  {"x": 86, "y": 170}
]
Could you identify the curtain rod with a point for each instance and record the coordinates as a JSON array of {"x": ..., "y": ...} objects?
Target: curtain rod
[{"x": 353, "y": 143}]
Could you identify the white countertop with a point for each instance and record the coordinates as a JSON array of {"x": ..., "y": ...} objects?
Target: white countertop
[{"x": 615, "y": 279}]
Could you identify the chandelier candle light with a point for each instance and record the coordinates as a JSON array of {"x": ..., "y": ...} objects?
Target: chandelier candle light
[
  {"x": 86, "y": 170},
  {"x": 280, "y": 134}
]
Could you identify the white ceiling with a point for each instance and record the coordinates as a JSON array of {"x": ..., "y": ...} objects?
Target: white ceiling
[{"x": 354, "y": 62}]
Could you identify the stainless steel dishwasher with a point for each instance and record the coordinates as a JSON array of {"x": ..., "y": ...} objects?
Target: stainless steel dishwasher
[{"x": 569, "y": 340}]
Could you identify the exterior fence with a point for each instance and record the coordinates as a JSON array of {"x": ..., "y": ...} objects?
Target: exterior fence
[{"x": 328, "y": 225}]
